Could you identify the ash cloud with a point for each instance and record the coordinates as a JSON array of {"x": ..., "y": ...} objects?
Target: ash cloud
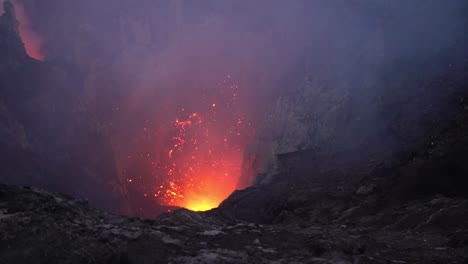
[{"x": 334, "y": 75}]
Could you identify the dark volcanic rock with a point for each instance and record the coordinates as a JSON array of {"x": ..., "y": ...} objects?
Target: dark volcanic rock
[
  {"x": 318, "y": 207},
  {"x": 40, "y": 227},
  {"x": 309, "y": 215},
  {"x": 11, "y": 46},
  {"x": 306, "y": 214},
  {"x": 417, "y": 198},
  {"x": 47, "y": 138}
]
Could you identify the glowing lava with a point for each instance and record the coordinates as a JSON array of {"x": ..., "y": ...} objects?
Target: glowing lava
[{"x": 197, "y": 162}]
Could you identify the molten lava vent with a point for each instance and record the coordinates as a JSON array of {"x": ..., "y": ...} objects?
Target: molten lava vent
[{"x": 196, "y": 158}]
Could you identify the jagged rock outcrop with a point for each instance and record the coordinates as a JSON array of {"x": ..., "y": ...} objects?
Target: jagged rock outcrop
[
  {"x": 424, "y": 231},
  {"x": 379, "y": 95},
  {"x": 313, "y": 182},
  {"x": 412, "y": 211},
  {"x": 48, "y": 139},
  {"x": 11, "y": 46},
  {"x": 316, "y": 223}
]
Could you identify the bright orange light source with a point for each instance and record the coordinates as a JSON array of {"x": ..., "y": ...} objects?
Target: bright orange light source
[
  {"x": 198, "y": 163},
  {"x": 201, "y": 205}
]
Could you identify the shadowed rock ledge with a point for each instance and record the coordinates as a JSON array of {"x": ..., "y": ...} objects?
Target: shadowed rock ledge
[{"x": 375, "y": 221}]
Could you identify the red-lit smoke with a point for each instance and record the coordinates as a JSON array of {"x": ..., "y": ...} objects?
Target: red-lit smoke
[
  {"x": 197, "y": 157},
  {"x": 32, "y": 41}
]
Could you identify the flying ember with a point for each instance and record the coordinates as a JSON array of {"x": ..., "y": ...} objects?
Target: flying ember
[{"x": 197, "y": 162}]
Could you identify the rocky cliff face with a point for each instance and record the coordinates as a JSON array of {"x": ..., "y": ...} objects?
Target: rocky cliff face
[
  {"x": 330, "y": 194},
  {"x": 48, "y": 138},
  {"x": 311, "y": 183},
  {"x": 380, "y": 100},
  {"x": 301, "y": 218},
  {"x": 147, "y": 60},
  {"x": 339, "y": 93}
]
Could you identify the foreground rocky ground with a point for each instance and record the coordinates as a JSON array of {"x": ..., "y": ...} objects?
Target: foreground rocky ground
[
  {"x": 411, "y": 211},
  {"x": 318, "y": 207},
  {"x": 39, "y": 227}
]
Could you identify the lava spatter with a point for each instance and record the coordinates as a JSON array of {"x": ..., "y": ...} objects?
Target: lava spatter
[{"x": 202, "y": 153}]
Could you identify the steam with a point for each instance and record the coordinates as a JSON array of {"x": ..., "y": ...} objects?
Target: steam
[{"x": 147, "y": 60}]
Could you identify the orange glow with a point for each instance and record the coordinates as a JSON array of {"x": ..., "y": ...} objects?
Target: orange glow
[
  {"x": 197, "y": 162},
  {"x": 32, "y": 41},
  {"x": 201, "y": 204},
  {"x": 210, "y": 191}
]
